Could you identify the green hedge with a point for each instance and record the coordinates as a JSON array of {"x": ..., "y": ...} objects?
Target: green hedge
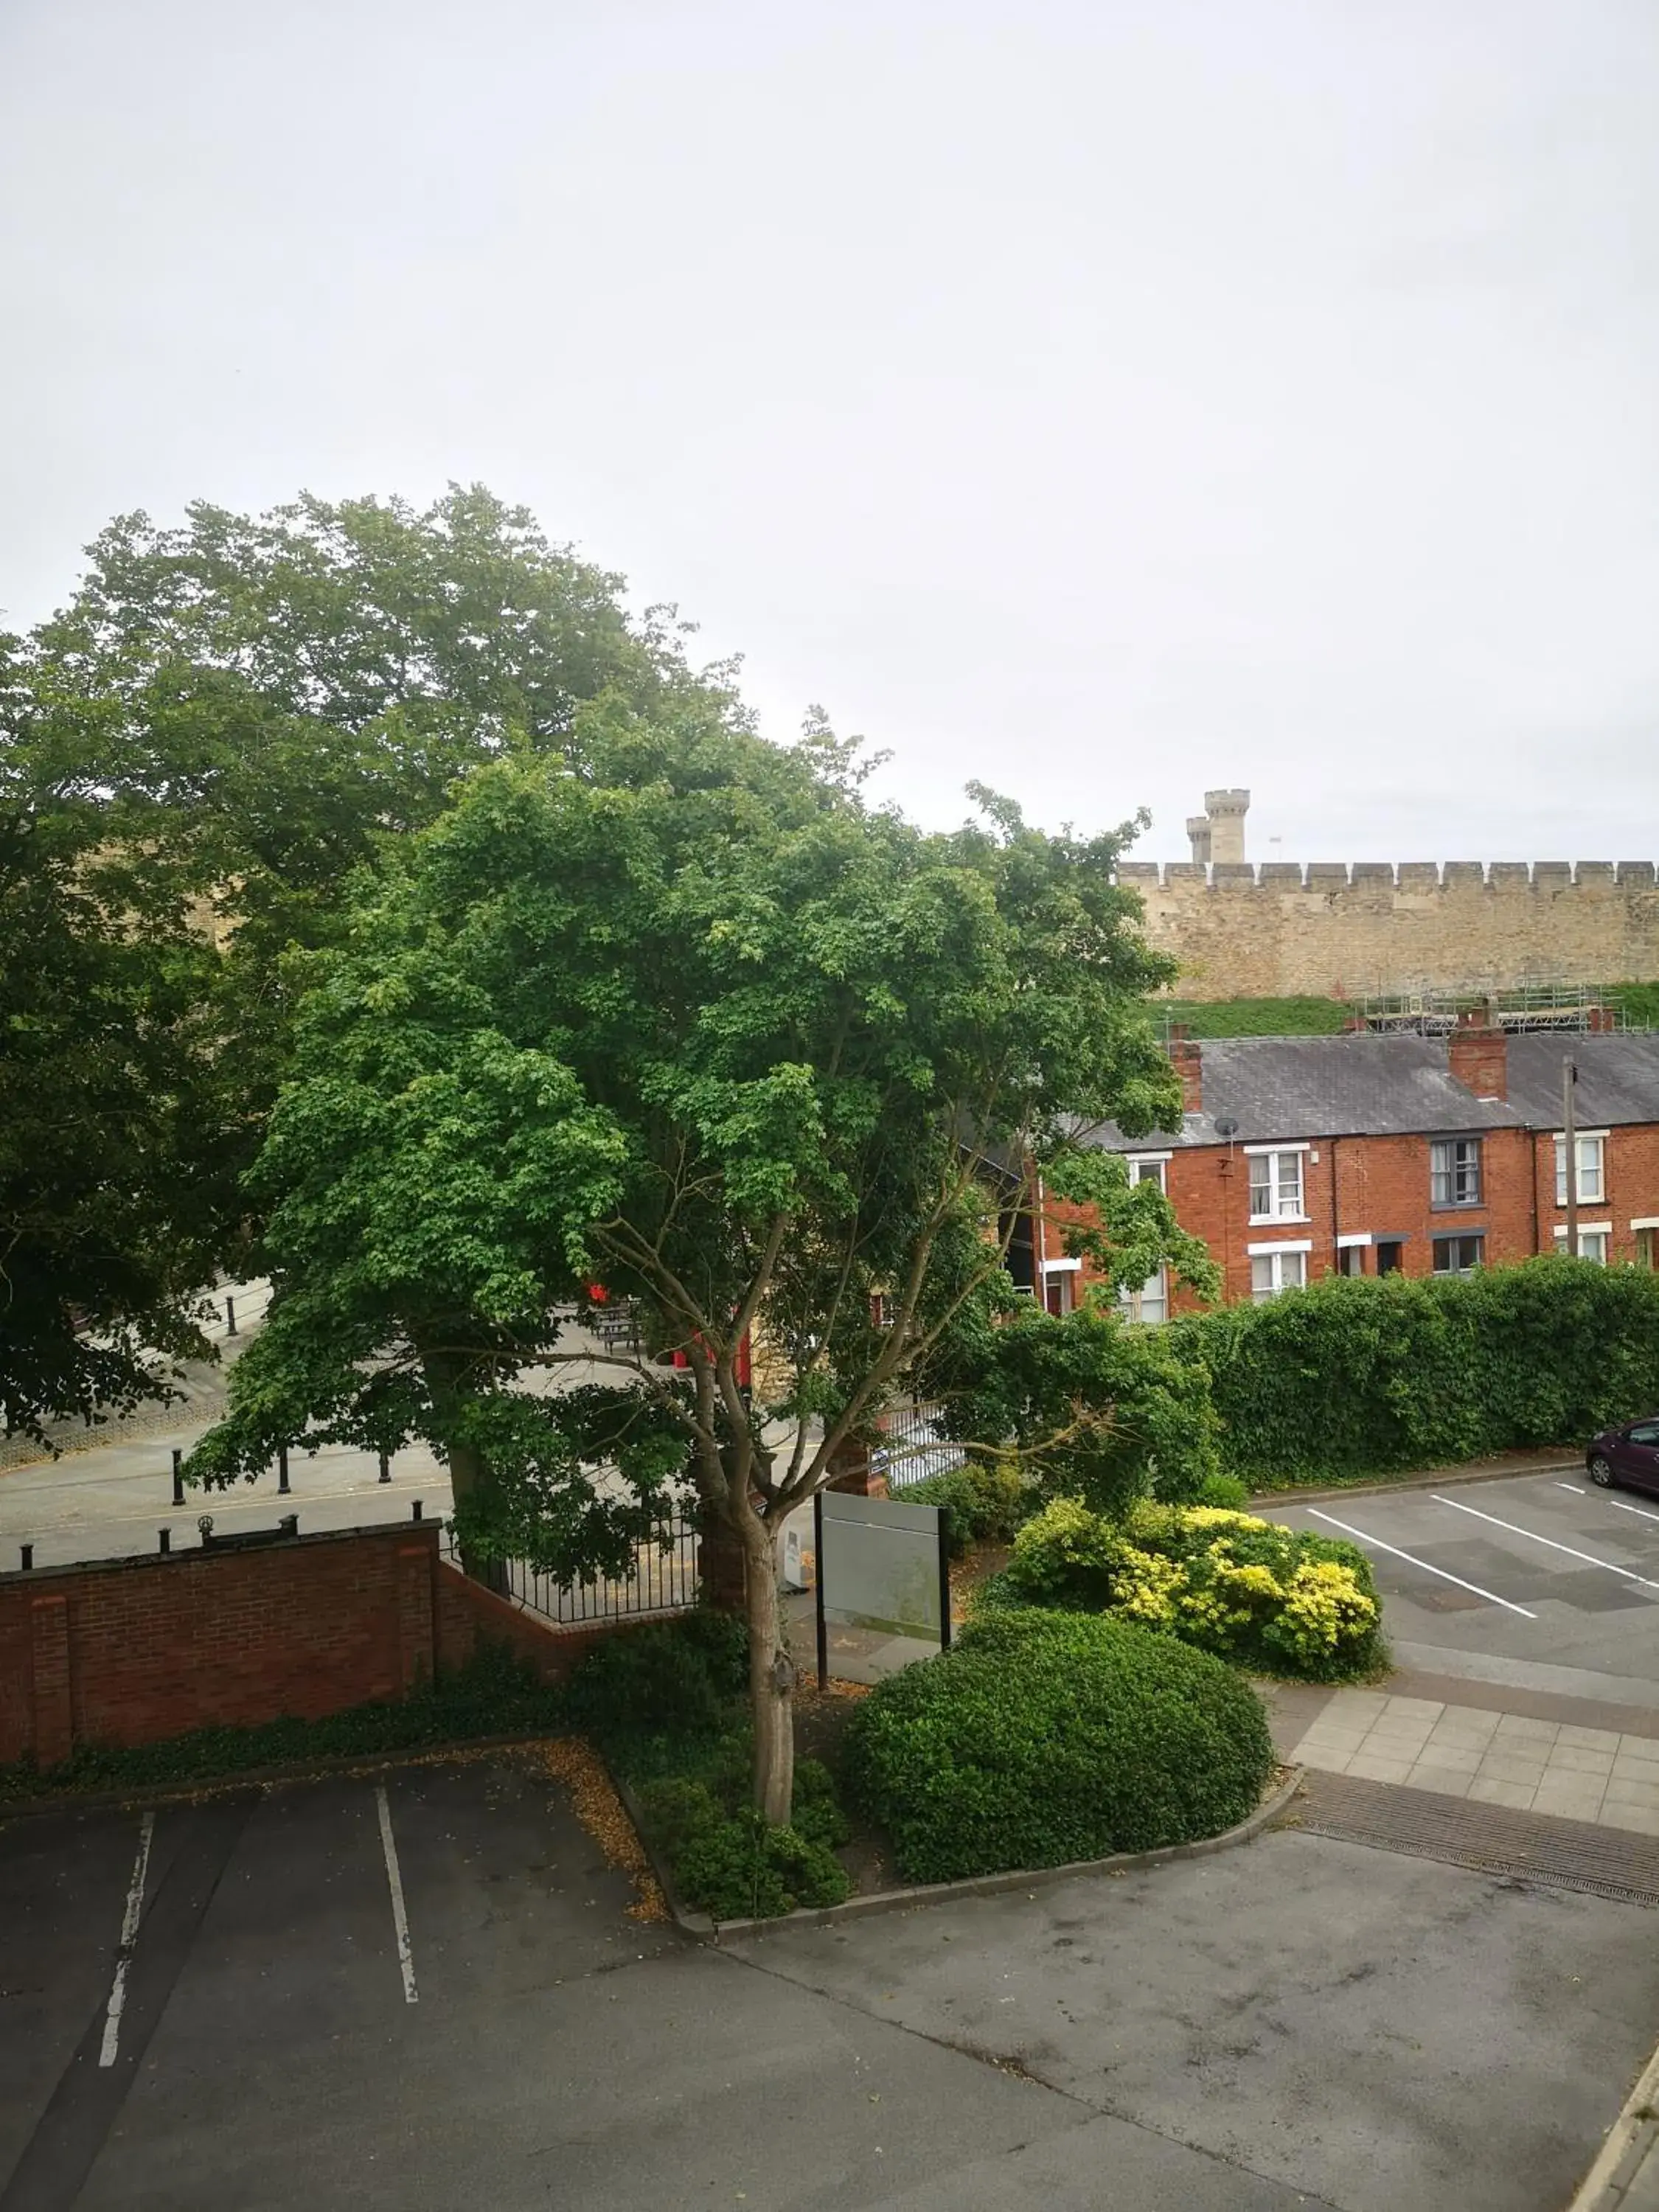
[
  {"x": 1369, "y": 1375},
  {"x": 1044, "y": 1737},
  {"x": 1273, "y": 1599}
]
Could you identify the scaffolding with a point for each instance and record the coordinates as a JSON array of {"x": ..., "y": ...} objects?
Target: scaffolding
[{"x": 1569, "y": 1008}]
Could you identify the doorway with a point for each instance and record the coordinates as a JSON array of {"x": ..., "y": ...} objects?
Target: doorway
[{"x": 1390, "y": 1255}]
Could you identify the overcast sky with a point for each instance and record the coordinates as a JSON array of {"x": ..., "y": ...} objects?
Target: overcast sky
[{"x": 1105, "y": 399}]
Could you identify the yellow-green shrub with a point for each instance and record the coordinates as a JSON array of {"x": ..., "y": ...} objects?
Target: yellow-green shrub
[{"x": 1265, "y": 1596}]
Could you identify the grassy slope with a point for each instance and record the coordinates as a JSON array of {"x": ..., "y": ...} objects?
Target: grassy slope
[{"x": 1231, "y": 1017}]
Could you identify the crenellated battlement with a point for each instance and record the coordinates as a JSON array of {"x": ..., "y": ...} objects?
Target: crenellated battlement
[
  {"x": 1403, "y": 875},
  {"x": 1279, "y": 928}
]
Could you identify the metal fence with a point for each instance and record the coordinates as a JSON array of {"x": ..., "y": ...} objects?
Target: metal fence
[
  {"x": 663, "y": 1579},
  {"x": 912, "y": 1447}
]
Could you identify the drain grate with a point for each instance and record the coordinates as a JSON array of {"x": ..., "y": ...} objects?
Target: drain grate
[{"x": 1492, "y": 1839}]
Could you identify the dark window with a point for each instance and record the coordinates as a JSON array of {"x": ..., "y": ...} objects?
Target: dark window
[
  {"x": 1457, "y": 1255},
  {"x": 1455, "y": 1171},
  {"x": 1021, "y": 1248},
  {"x": 1391, "y": 1256}
]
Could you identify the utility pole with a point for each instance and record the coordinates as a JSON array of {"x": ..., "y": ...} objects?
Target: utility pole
[{"x": 1570, "y": 1147}]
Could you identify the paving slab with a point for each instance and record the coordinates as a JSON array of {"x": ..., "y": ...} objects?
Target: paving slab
[{"x": 1523, "y": 1760}]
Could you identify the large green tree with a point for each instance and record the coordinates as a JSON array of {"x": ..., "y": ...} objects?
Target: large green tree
[
  {"x": 677, "y": 1014},
  {"x": 119, "y": 1130},
  {"x": 228, "y": 720}
]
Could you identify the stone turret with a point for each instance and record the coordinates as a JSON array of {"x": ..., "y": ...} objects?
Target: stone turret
[
  {"x": 1226, "y": 811},
  {"x": 1217, "y": 834}
]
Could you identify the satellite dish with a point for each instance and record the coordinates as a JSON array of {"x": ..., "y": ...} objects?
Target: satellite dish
[{"x": 1226, "y": 1128}]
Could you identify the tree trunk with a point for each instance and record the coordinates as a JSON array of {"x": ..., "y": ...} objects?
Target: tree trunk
[
  {"x": 771, "y": 1675},
  {"x": 471, "y": 1479}
]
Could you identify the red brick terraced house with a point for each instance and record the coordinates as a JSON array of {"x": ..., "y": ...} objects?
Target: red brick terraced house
[{"x": 1367, "y": 1154}]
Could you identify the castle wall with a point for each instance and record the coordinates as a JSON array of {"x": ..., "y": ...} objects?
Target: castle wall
[{"x": 1281, "y": 930}]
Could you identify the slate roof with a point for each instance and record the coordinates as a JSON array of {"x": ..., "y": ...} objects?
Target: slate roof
[
  {"x": 1618, "y": 1078},
  {"x": 1300, "y": 1088}
]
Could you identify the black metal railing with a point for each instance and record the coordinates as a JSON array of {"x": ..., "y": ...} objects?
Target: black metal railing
[
  {"x": 662, "y": 1578},
  {"x": 912, "y": 1447}
]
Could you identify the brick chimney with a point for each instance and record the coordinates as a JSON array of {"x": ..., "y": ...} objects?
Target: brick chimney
[
  {"x": 1188, "y": 1061},
  {"x": 1479, "y": 1055}
]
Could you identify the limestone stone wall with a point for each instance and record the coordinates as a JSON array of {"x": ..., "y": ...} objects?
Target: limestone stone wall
[{"x": 1282, "y": 929}]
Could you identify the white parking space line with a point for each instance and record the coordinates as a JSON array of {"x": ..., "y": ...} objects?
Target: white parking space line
[
  {"x": 1572, "y": 1486},
  {"x": 1640, "y": 1511},
  {"x": 1572, "y": 1553},
  {"x": 130, "y": 1919},
  {"x": 1360, "y": 1536},
  {"x": 395, "y": 1882}
]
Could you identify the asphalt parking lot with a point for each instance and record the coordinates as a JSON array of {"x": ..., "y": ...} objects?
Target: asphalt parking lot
[
  {"x": 435, "y": 1997},
  {"x": 1535, "y": 1581}
]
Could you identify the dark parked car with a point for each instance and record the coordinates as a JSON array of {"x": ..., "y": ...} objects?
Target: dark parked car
[{"x": 1628, "y": 1454}]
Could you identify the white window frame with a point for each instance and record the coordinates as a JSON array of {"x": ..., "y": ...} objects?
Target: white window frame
[
  {"x": 1602, "y": 1230},
  {"x": 1276, "y": 1256},
  {"x": 1598, "y": 1138},
  {"x": 1155, "y": 1290},
  {"x": 1273, "y": 1154},
  {"x": 1149, "y": 1167}
]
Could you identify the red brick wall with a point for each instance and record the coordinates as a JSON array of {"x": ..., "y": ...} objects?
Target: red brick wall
[
  {"x": 467, "y": 1615},
  {"x": 1352, "y": 1185},
  {"x": 1630, "y": 1161},
  {"x": 129, "y": 1651}
]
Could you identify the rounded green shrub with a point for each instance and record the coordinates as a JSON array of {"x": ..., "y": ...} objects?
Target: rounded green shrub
[{"x": 1045, "y": 1737}]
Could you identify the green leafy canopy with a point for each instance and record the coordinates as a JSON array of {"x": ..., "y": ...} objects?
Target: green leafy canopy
[{"x": 692, "y": 1022}]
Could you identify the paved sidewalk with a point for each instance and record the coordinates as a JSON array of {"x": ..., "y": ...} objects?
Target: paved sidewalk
[{"x": 1516, "y": 1759}]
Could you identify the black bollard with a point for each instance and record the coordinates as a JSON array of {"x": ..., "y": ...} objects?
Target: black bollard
[
  {"x": 282, "y": 1472},
  {"x": 385, "y": 1467},
  {"x": 167, "y": 1539},
  {"x": 417, "y": 1509},
  {"x": 28, "y": 1556},
  {"x": 178, "y": 1479},
  {"x": 230, "y": 1317}
]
